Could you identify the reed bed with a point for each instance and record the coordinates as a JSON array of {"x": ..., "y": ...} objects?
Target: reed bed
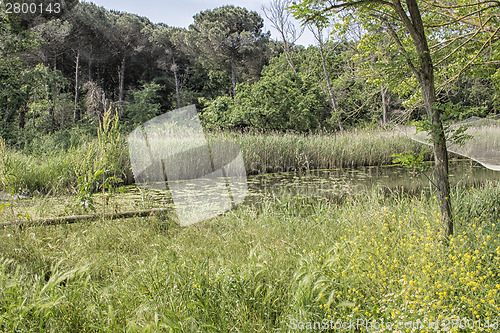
[
  {"x": 57, "y": 171},
  {"x": 285, "y": 151}
]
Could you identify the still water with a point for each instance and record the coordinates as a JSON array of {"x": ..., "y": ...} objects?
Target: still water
[
  {"x": 340, "y": 182},
  {"x": 332, "y": 184}
]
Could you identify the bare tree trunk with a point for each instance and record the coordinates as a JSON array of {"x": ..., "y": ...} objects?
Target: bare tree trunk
[
  {"x": 76, "y": 116},
  {"x": 51, "y": 89},
  {"x": 52, "y": 119},
  {"x": 289, "y": 58},
  {"x": 22, "y": 117},
  {"x": 55, "y": 98},
  {"x": 319, "y": 38},
  {"x": 279, "y": 15},
  {"x": 177, "y": 84},
  {"x": 62, "y": 120},
  {"x": 122, "y": 80},
  {"x": 327, "y": 76},
  {"x": 90, "y": 68},
  {"x": 233, "y": 72},
  {"x": 383, "y": 92}
]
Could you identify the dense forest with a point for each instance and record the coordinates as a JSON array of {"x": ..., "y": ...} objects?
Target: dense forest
[{"x": 60, "y": 72}]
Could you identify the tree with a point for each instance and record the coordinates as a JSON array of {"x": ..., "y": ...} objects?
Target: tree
[
  {"x": 143, "y": 105},
  {"x": 317, "y": 31},
  {"x": 54, "y": 34},
  {"x": 280, "y": 100},
  {"x": 229, "y": 35},
  {"x": 128, "y": 40},
  {"x": 279, "y": 16},
  {"x": 392, "y": 13},
  {"x": 86, "y": 35},
  {"x": 43, "y": 86},
  {"x": 172, "y": 56},
  {"x": 14, "y": 41},
  {"x": 52, "y": 10}
]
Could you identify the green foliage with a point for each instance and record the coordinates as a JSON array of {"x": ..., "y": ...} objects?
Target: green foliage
[
  {"x": 454, "y": 135},
  {"x": 12, "y": 96},
  {"x": 65, "y": 140},
  {"x": 281, "y": 100},
  {"x": 474, "y": 94},
  {"x": 200, "y": 63},
  {"x": 14, "y": 75},
  {"x": 411, "y": 160},
  {"x": 142, "y": 105},
  {"x": 230, "y": 40},
  {"x": 457, "y": 135},
  {"x": 463, "y": 52},
  {"x": 278, "y": 101},
  {"x": 103, "y": 169},
  {"x": 217, "y": 113},
  {"x": 46, "y": 106},
  {"x": 30, "y": 99}
]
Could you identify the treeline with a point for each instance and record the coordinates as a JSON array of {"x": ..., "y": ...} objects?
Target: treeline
[
  {"x": 58, "y": 72},
  {"x": 68, "y": 70}
]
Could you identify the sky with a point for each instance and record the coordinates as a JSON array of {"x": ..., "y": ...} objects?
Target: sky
[{"x": 179, "y": 13}]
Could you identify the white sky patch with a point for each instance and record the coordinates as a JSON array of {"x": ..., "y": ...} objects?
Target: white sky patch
[{"x": 180, "y": 13}]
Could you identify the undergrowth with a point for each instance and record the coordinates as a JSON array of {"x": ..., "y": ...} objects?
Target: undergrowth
[{"x": 289, "y": 261}]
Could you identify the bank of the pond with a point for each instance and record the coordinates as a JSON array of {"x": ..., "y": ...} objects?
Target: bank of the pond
[
  {"x": 290, "y": 261},
  {"x": 56, "y": 171},
  {"x": 285, "y": 151}
]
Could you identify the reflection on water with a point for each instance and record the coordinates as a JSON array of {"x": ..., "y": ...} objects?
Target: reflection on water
[
  {"x": 340, "y": 182},
  {"x": 333, "y": 184}
]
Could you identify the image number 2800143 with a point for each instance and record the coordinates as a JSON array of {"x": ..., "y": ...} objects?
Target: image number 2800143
[{"x": 33, "y": 8}]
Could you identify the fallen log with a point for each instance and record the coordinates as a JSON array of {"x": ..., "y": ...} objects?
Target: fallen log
[{"x": 77, "y": 218}]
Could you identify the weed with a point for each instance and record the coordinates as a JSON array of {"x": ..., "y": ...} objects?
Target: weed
[{"x": 375, "y": 256}]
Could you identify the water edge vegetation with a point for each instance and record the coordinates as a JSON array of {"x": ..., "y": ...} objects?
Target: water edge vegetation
[{"x": 377, "y": 256}]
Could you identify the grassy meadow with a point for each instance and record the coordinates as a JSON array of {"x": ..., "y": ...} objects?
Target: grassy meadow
[{"x": 273, "y": 267}]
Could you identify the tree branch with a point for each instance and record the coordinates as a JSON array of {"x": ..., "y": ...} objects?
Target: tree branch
[
  {"x": 357, "y": 3},
  {"x": 395, "y": 36},
  {"x": 406, "y": 21},
  {"x": 345, "y": 5},
  {"x": 473, "y": 59},
  {"x": 443, "y": 6},
  {"x": 463, "y": 18},
  {"x": 458, "y": 47},
  {"x": 448, "y": 42}
]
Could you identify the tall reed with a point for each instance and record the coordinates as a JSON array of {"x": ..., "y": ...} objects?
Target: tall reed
[
  {"x": 59, "y": 170},
  {"x": 285, "y": 151}
]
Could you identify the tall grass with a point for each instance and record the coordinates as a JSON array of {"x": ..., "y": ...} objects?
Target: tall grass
[
  {"x": 285, "y": 151},
  {"x": 266, "y": 268},
  {"x": 57, "y": 171}
]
